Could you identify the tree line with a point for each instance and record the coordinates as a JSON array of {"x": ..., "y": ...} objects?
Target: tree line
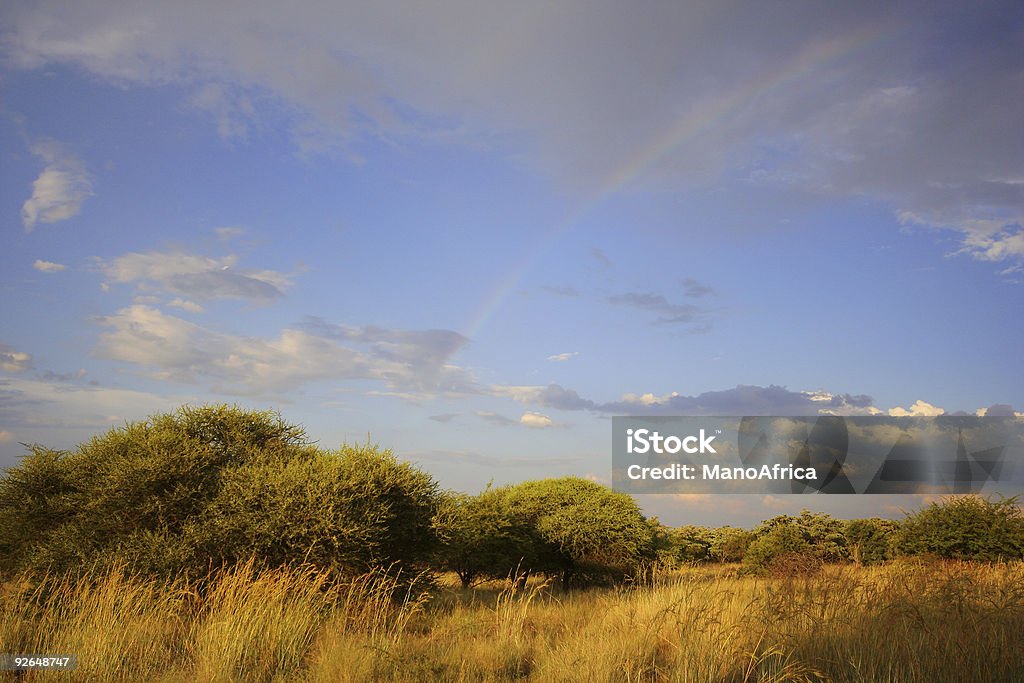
[{"x": 189, "y": 492}]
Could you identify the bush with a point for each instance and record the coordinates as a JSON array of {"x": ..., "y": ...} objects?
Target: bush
[
  {"x": 729, "y": 544},
  {"x": 690, "y": 544},
  {"x": 480, "y": 537},
  {"x": 968, "y": 528},
  {"x": 194, "y": 489},
  {"x": 784, "y": 545},
  {"x": 870, "y": 540},
  {"x": 578, "y": 530}
]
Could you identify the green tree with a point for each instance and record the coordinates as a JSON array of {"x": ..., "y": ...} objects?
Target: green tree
[
  {"x": 870, "y": 540},
  {"x": 480, "y": 537},
  {"x": 780, "y": 543},
  {"x": 729, "y": 544},
  {"x": 192, "y": 489},
  {"x": 967, "y": 527},
  {"x": 692, "y": 544},
  {"x": 580, "y": 531}
]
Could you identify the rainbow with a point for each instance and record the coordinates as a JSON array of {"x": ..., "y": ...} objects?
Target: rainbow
[{"x": 703, "y": 116}]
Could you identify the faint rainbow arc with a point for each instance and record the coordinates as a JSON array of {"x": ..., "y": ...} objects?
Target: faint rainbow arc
[{"x": 702, "y": 117}]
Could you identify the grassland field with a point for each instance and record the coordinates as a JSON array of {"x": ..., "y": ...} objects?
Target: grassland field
[{"x": 904, "y": 621}]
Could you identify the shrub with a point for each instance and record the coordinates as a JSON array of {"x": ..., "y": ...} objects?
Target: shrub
[
  {"x": 968, "y": 527},
  {"x": 579, "y": 530},
  {"x": 191, "y": 490},
  {"x": 870, "y": 540},
  {"x": 480, "y": 537},
  {"x": 729, "y": 544}
]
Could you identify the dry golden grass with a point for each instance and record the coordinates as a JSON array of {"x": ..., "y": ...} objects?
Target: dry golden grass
[{"x": 909, "y": 621}]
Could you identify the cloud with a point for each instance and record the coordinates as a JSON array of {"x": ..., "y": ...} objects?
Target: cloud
[
  {"x": 602, "y": 258},
  {"x": 60, "y": 189},
  {"x": 562, "y": 357},
  {"x": 475, "y": 458},
  {"x": 195, "y": 276},
  {"x": 171, "y": 348},
  {"x": 39, "y": 404},
  {"x": 561, "y": 291},
  {"x": 495, "y": 419},
  {"x": 920, "y": 408},
  {"x": 443, "y": 417},
  {"x": 694, "y": 289},
  {"x": 670, "y": 314},
  {"x": 551, "y": 396},
  {"x": 837, "y": 100},
  {"x": 186, "y": 305},
  {"x": 12, "y": 360},
  {"x": 740, "y": 400},
  {"x": 233, "y": 111},
  {"x": 998, "y": 410},
  {"x": 48, "y": 266},
  {"x": 6, "y": 436},
  {"x": 535, "y": 420},
  {"x": 229, "y": 232}
]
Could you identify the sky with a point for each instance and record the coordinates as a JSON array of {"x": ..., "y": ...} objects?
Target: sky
[{"x": 473, "y": 232}]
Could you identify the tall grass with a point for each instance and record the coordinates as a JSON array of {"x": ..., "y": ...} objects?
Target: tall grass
[{"x": 911, "y": 621}]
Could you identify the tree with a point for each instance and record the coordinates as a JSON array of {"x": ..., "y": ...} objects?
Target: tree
[
  {"x": 480, "y": 537},
  {"x": 870, "y": 540},
  {"x": 190, "y": 490},
  {"x": 692, "y": 544},
  {"x": 967, "y": 527},
  {"x": 729, "y": 544},
  {"x": 580, "y": 531}
]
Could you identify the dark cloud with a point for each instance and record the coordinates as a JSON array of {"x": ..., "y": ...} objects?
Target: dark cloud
[
  {"x": 740, "y": 400},
  {"x": 496, "y": 419},
  {"x": 694, "y": 289},
  {"x": 1000, "y": 410},
  {"x": 443, "y": 417},
  {"x": 669, "y": 313}
]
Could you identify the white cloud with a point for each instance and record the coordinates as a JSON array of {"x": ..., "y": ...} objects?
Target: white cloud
[
  {"x": 535, "y": 420},
  {"x": 984, "y": 239},
  {"x": 409, "y": 361},
  {"x": 919, "y": 409},
  {"x": 648, "y": 399},
  {"x": 195, "y": 276},
  {"x": 185, "y": 305},
  {"x": 562, "y": 357},
  {"x": 12, "y": 360},
  {"x": 48, "y": 266},
  {"x": 60, "y": 189}
]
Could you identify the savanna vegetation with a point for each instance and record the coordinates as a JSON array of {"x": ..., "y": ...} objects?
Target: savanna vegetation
[{"x": 218, "y": 544}]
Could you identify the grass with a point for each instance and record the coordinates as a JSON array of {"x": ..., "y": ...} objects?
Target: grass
[{"x": 909, "y": 621}]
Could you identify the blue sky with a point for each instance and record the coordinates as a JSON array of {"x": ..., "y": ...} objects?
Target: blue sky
[{"x": 475, "y": 232}]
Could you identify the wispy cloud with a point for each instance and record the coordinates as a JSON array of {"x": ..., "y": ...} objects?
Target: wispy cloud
[
  {"x": 60, "y": 189},
  {"x": 669, "y": 313},
  {"x": 495, "y": 419},
  {"x": 12, "y": 360},
  {"x": 195, "y": 276},
  {"x": 171, "y": 348},
  {"x": 695, "y": 289},
  {"x": 562, "y": 357},
  {"x": 48, "y": 266}
]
